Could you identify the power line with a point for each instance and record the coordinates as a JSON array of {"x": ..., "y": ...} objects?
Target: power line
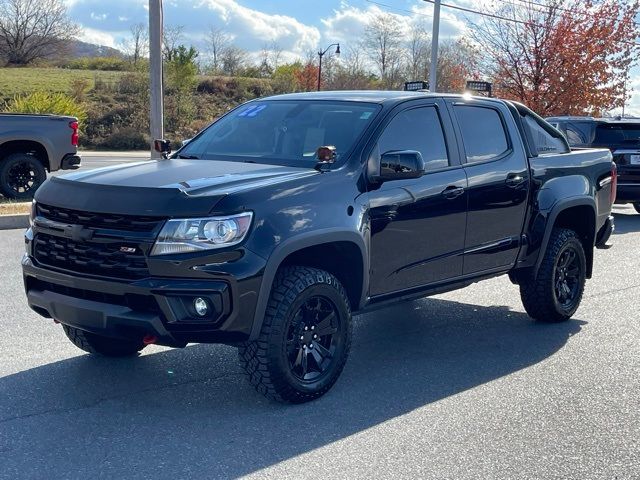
[
  {"x": 548, "y": 8},
  {"x": 506, "y": 19},
  {"x": 476, "y": 12}
]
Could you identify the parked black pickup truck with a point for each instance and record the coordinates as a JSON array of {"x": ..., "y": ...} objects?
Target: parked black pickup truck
[
  {"x": 275, "y": 224},
  {"x": 621, "y": 136}
]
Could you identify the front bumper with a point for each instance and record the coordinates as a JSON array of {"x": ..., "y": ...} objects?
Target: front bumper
[{"x": 152, "y": 306}]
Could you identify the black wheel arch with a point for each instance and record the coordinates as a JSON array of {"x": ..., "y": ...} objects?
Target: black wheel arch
[
  {"x": 26, "y": 146},
  {"x": 577, "y": 214},
  {"x": 339, "y": 252}
]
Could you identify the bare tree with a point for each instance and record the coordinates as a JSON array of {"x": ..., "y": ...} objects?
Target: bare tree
[
  {"x": 383, "y": 43},
  {"x": 217, "y": 42},
  {"x": 137, "y": 45},
  {"x": 275, "y": 54},
  {"x": 418, "y": 47},
  {"x": 351, "y": 72},
  {"x": 172, "y": 37},
  {"x": 233, "y": 60},
  {"x": 33, "y": 29}
]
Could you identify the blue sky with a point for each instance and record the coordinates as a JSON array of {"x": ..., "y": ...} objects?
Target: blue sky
[{"x": 297, "y": 26}]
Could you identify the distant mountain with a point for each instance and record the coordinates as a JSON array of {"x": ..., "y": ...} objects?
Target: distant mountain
[{"x": 80, "y": 49}]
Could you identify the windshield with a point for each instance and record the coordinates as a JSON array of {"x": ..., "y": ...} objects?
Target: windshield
[
  {"x": 618, "y": 133},
  {"x": 283, "y": 132}
]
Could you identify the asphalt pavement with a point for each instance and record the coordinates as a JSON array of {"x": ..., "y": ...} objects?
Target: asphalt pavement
[{"x": 459, "y": 386}]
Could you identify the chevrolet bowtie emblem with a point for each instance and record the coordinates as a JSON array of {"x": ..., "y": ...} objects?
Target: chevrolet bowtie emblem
[{"x": 78, "y": 233}]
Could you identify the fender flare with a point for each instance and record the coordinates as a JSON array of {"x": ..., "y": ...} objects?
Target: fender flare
[
  {"x": 556, "y": 210},
  {"x": 20, "y": 136},
  {"x": 292, "y": 245}
]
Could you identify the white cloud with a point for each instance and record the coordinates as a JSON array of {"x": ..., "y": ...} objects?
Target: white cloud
[
  {"x": 255, "y": 28},
  {"x": 97, "y": 37},
  {"x": 98, "y": 16}
]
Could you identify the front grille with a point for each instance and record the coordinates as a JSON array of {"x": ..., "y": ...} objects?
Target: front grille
[
  {"x": 98, "y": 252},
  {"x": 141, "y": 303},
  {"x": 109, "y": 221},
  {"x": 93, "y": 258}
]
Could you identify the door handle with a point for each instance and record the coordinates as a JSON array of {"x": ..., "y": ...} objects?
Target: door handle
[
  {"x": 515, "y": 180},
  {"x": 452, "y": 192}
]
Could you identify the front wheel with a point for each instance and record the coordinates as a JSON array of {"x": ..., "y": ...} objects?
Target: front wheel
[
  {"x": 101, "y": 345},
  {"x": 20, "y": 176},
  {"x": 555, "y": 293},
  {"x": 305, "y": 337}
]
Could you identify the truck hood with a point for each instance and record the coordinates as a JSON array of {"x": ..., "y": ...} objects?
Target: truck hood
[{"x": 173, "y": 187}]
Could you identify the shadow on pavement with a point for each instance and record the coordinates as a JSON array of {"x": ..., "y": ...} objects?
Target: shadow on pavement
[
  {"x": 627, "y": 222},
  {"x": 189, "y": 413}
]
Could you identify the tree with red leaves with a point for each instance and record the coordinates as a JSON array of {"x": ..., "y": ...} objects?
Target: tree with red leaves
[{"x": 565, "y": 57}]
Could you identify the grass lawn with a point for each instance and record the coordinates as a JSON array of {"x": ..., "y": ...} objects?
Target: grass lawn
[{"x": 15, "y": 81}]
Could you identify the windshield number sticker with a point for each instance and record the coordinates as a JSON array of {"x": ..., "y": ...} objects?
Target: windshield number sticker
[{"x": 252, "y": 111}]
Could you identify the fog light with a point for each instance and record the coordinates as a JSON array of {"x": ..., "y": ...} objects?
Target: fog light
[{"x": 201, "y": 306}]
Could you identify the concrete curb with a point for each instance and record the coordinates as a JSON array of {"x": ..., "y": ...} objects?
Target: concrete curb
[{"x": 12, "y": 222}]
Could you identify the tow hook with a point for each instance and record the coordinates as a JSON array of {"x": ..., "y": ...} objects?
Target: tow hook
[{"x": 149, "y": 339}]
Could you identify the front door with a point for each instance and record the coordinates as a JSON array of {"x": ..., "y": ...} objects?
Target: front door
[{"x": 418, "y": 225}]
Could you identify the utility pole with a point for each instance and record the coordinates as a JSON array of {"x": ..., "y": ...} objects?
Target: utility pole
[
  {"x": 433, "y": 73},
  {"x": 155, "y": 71}
]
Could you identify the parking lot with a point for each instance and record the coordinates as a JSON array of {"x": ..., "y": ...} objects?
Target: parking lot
[{"x": 462, "y": 385}]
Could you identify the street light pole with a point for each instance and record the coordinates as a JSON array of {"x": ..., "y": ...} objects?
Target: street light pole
[
  {"x": 321, "y": 54},
  {"x": 433, "y": 73},
  {"x": 156, "y": 118}
]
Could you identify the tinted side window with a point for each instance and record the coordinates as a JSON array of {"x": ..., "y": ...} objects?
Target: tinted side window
[
  {"x": 417, "y": 129},
  {"x": 574, "y": 137},
  {"x": 483, "y": 133},
  {"x": 543, "y": 140}
]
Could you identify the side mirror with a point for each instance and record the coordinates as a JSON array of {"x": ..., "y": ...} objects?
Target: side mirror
[
  {"x": 162, "y": 146},
  {"x": 399, "y": 164}
]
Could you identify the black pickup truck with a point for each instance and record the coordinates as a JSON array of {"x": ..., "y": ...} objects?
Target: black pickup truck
[
  {"x": 275, "y": 224},
  {"x": 621, "y": 136}
]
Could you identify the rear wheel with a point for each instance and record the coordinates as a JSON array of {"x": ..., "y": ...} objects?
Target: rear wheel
[
  {"x": 20, "y": 176},
  {"x": 305, "y": 337},
  {"x": 555, "y": 293},
  {"x": 637, "y": 206},
  {"x": 98, "y": 344}
]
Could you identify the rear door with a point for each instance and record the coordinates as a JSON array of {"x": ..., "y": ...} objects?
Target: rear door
[{"x": 498, "y": 174}]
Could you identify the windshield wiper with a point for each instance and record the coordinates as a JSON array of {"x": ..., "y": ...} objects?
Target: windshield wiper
[{"x": 189, "y": 157}]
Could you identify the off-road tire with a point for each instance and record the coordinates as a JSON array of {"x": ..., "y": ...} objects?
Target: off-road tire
[
  {"x": 539, "y": 294},
  {"x": 32, "y": 166},
  {"x": 99, "y": 345},
  {"x": 266, "y": 361}
]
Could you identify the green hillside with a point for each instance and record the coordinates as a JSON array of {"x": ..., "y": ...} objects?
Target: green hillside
[{"x": 17, "y": 81}]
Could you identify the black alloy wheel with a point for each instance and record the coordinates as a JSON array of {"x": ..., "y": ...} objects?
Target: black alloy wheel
[
  {"x": 20, "y": 176},
  {"x": 312, "y": 339},
  {"x": 568, "y": 277}
]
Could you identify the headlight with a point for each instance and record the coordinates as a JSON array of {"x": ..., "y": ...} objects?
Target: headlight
[
  {"x": 32, "y": 213},
  {"x": 196, "y": 234}
]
